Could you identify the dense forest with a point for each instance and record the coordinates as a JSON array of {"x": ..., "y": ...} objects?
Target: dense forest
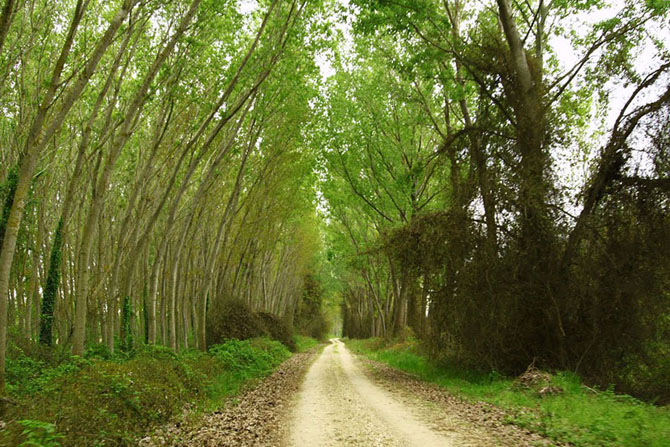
[
  {"x": 497, "y": 181},
  {"x": 492, "y": 177},
  {"x": 154, "y": 162}
]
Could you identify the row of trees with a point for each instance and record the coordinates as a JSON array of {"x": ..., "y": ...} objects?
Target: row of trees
[
  {"x": 455, "y": 133},
  {"x": 153, "y": 163}
]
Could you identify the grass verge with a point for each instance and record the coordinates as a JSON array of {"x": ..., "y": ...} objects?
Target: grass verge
[
  {"x": 304, "y": 343},
  {"x": 579, "y": 415},
  {"x": 103, "y": 400}
]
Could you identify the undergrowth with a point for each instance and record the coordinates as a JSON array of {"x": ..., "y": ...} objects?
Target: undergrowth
[
  {"x": 580, "y": 415},
  {"x": 304, "y": 343},
  {"x": 100, "y": 399}
]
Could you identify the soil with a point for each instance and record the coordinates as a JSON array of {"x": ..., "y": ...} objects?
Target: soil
[
  {"x": 254, "y": 418},
  {"x": 337, "y": 399},
  {"x": 448, "y": 408},
  {"x": 339, "y": 405}
]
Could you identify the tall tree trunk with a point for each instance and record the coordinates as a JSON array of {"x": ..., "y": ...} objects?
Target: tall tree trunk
[
  {"x": 35, "y": 144},
  {"x": 6, "y": 17},
  {"x": 151, "y": 296},
  {"x": 526, "y": 98},
  {"x": 53, "y": 275},
  {"x": 133, "y": 113}
]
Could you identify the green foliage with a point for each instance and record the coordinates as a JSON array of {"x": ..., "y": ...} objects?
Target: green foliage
[
  {"x": 115, "y": 399},
  {"x": 244, "y": 360},
  {"x": 30, "y": 375},
  {"x": 257, "y": 355},
  {"x": 21, "y": 370},
  {"x": 98, "y": 350},
  {"x": 304, "y": 343},
  {"x": 51, "y": 289},
  {"x": 126, "y": 333},
  {"x": 580, "y": 416},
  {"x": 658, "y": 6},
  {"x": 39, "y": 434}
]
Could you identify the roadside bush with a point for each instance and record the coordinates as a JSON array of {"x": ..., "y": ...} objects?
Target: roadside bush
[
  {"x": 600, "y": 309},
  {"x": 94, "y": 401},
  {"x": 258, "y": 355},
  {"x": 107, "y": 401},
  {"x": 234, "y": 320},
  {"x": 647, "y": 376},
  {"x": 22, "y": 370},
  {"x": 27, "y": 375},
  {"x": 277, "y": 329}
]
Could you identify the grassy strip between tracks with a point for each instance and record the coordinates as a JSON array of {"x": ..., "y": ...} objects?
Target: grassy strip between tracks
[
  {"x": 578, "y": 415},
  {"x": 100, "y": 399}
]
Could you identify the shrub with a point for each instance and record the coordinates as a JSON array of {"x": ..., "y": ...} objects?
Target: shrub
[
  {"x": 258, "y": 355},
  {"x": 94, "y": 401},
  {"x": 39, "y": 434},
  {"x": 21, "y": 370},
  {"x": 27, "y": 375},
  {"x": 99, "y": 351},
  {"x": 108, "y": 401},
  {"x": 232, "y": 319},
  {"x": 277, "y": 329}
]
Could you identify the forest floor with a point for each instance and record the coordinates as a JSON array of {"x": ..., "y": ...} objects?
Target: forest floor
[{"x": 337, "y": 399}]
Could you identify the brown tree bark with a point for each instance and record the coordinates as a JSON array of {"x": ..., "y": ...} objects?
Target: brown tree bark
[{"x": 6, "y": 17}]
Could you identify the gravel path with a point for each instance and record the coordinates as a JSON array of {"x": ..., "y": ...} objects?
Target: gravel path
[
  {"x": 342, "y": 400},
  {"x": 340, "y": 406},
  {"x": 448, "y": 411}
]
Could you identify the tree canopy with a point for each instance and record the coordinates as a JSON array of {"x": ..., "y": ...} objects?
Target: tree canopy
[{"x": 492, "y": 177}]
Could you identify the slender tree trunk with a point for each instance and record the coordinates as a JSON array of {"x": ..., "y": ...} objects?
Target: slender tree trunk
[
  {"x": 527, "y": 103},
  {"x": 151, "y": 296},
  {"x": 53, "y": 276},
  {"x": 35, "y": 144},
  {"x": 6, "y": 17},
  {"x": 132, "y": 115}
]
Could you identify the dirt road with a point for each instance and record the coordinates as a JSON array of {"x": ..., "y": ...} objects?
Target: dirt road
[
  {"x": 344, "y": 400},
  {"x": 338, "y": 405}
]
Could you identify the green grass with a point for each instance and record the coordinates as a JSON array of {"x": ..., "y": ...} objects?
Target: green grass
[
  {"x": 243, "y": 362},
  {"x": 579, "y": 415},
  {"x": 304, "y": 343},
  {"x": 113, "y": 400}
]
